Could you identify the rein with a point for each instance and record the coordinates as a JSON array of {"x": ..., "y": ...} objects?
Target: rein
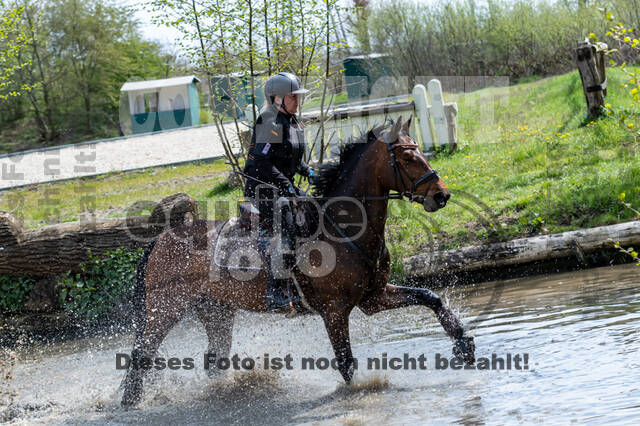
[
  {"x": 399, "y": 173},
  {"x": 334, "y": 225}
]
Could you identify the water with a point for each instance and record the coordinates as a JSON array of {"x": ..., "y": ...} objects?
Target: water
[{"x": 579, "y": 330}]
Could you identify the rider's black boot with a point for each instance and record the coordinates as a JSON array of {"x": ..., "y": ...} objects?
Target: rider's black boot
[{"x": 278, "y": 294}]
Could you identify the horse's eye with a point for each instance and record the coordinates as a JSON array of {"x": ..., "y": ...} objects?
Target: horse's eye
[{"x": 407, "y": 155}]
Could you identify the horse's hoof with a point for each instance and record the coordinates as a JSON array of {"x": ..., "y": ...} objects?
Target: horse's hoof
[
  {"x": 127, "y": 405},
  {"x": 214, "y": 372},
  {"x": 130, "y": 400},
  {"x": 464, "y": 349}
]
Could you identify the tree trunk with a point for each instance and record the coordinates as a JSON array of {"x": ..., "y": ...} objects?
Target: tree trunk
[
  {"x": 50, "y": 131},
  {"x": 522, "y": 251},
  {"x": 251, "y": 64},
  {"x": 266, "y": 38},
  {"x": 326, "y": 80},
  {"x": 87, "y": 107},
  {"x": 54, "y": 249}
]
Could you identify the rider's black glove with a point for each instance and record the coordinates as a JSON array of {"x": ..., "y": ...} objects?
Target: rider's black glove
[{"x": 291, "y": 192}]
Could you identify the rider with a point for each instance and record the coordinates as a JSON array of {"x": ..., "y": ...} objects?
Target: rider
[{"x": 275, "y": 155}]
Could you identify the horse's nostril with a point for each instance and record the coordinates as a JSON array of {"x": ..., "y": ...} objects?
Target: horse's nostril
[{"x": 441, "y": 198}]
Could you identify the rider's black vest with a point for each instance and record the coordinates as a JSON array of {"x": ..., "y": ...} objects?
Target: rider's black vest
[{"x": 276, "y": 150}]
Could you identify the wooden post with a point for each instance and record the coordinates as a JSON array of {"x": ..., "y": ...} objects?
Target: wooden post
[
  {"x": 600, "y": 49},
  {"x": 422, "y": 115},
  {"x": 248, "y": 115},
  {"x": 590, "y": 60},
  {"x": 451, "y": 112},
  {"x": 437, "y": 111}
]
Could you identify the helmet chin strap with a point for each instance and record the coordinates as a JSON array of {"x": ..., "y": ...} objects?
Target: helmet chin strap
[{"x": 281, "y": 105}]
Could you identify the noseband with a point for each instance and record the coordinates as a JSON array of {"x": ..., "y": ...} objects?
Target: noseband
[{"x": 399, "y": 173}]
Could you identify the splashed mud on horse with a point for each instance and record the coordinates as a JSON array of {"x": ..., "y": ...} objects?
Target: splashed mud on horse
[{"x": 176, "y": 273}]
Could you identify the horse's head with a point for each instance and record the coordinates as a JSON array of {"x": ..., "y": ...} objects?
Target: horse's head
[{"x": 411, "y": 175}]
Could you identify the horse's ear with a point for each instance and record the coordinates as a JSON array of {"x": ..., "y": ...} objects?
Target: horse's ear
[
  {"x": 371, "y": 136},
  {"x": 395, "y": 130},
  {"x": 406, "y": 126}
]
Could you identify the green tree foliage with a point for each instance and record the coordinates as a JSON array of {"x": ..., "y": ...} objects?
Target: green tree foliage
[
  {"x": 80, "y": 54},
  {"x": 262, "y": 36},
  {"x": 12, "y": 41},
  {"x": 497, "y": 37},
  {"x": 256, "y": 38},
  {"x": 358, "y": 22}
]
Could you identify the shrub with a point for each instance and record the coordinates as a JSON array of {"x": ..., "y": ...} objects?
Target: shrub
[
  {"x": 14, "y": 292},
  {"x": 104, "y": 285},
  {"x": 516, "y": 38}
]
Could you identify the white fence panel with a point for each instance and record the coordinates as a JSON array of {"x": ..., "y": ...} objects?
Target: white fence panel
[
  {"x": 437, "y": 110},
  {"x": 203, "y": 142},
  {"x": 429, "y": 126}
]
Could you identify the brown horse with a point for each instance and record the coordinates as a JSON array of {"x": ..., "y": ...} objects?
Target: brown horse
[{"x": 177, "y": 274}]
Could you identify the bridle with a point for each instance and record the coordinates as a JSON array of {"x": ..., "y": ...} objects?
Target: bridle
[{"x": 399, "y": 173}]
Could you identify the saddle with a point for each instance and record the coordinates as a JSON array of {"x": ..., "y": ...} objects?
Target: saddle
[
  {"x": 249, "y": 216},
  {"x": 237, "y": 247}
]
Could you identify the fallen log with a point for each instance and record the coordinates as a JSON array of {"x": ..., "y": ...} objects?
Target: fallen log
[
  {"x": 490, "y": 257},
  {"x": 54, "y": 249}
]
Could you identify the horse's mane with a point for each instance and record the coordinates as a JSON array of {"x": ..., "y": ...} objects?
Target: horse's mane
[{"x": 332, "y": 173}]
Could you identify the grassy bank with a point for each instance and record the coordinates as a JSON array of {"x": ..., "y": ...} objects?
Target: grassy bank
[
  {"x": 114, "y": 194},
  {"x": 529, "y": 163}
]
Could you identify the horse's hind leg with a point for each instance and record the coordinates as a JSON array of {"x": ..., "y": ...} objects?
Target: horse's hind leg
[
  {"x": 162, "y": 313},
  {"x": 392, "y": 297},
  {"x": 217, "y": 319}
]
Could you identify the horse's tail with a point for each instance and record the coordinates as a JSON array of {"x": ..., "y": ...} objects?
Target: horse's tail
[
  {"x": 139, "y": 295},
  {"x": 139, "y": 314}
]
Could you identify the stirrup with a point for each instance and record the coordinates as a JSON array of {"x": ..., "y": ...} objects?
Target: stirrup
[
  {"x": 277, "y": 303},
  {"x": 278, "y": 298}
]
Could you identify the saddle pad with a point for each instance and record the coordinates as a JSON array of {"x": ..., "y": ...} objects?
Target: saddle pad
[{"x": 237, "y": 248}]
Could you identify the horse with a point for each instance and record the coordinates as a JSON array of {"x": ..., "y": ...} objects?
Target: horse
[{"x": 176, "y": 273}]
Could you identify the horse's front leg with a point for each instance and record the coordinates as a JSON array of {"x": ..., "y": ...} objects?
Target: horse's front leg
[
  {"x": 336, "y": 321},
  {"x": 392, "y": 297}
]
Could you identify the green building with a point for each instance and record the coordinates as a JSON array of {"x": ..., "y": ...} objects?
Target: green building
[
  {"x": 241, "y": 91},
  {"x": 156, "y": 105},
  {"x": 362, "y": 72}
]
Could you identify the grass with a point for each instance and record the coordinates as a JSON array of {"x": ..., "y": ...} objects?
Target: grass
[
  {"x": 112, "y": 195},
  {"x": 311, "y": 103},
  {"x": 529, "y": 163}
]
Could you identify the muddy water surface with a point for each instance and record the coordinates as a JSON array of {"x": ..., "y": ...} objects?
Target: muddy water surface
[{"x": 580, "y": 332}]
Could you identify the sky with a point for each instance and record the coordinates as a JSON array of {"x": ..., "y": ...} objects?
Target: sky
[
  {"x": 167, "y": 36},
  {"x": 164, "y": 35}
]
